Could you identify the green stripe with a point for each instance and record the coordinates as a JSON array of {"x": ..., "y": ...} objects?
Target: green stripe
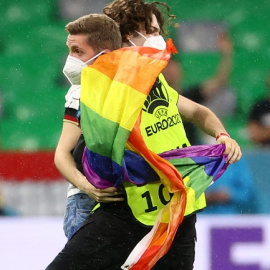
[
  {"x": 199, "y": 180},
  {"x": 103, "y": 136}
]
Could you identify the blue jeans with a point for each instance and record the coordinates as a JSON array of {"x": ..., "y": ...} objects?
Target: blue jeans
[{"x": 78, "y": 208}]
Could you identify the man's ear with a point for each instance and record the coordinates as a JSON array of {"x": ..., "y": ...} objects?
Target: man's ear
[{"x": 128, "y": 37}]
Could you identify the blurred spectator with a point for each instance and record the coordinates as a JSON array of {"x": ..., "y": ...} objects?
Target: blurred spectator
[
  {"x": 173, "y": 74},
  {"x": 259, "y": 119},
  {"x": 4, "y": 209},
  {"x": 70, "y": 10},
  {"x": 212, "y": 92},
  {"x": 233, "y": 192},
  {"x": 208, "y": 89},
  {"x": 1, "y": 113}
]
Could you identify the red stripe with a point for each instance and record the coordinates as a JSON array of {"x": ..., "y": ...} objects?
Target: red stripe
[
  {"x": 71, "y": 118},
  {"x": 34, "y": 166}
]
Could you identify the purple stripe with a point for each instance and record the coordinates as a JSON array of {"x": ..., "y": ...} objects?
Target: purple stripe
[
  {"x": 207, "y": 151},
  {"x": 205, "y": 155},
  {"x": 195, "y": 151},
  {"x": 92, "y": 177}
]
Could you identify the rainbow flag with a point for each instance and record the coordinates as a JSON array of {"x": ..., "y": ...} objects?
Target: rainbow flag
[
  {"x": 199, "y": 167},
  {"x": 113, "y": 92}
]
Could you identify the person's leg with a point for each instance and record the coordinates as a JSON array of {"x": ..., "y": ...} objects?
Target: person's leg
[
  {"x": 78, "y": 209},
  {"x": 103, "y": 242},
  {"x": 181, "y": 255}
]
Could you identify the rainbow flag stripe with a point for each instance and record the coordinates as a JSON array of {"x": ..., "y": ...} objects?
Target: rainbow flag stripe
[{"x": 113, "y": 92}]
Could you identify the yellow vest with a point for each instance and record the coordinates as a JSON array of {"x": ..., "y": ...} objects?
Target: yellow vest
[{"x": 162, "y": 129}]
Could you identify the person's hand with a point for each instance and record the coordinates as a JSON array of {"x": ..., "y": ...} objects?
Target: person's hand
[
  {"x": 110, "y": 194},
  {"x": 221, "y": 196},
  {"x": 232, "y": 149}
]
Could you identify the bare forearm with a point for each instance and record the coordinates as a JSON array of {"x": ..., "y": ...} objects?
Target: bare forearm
[
  {"x": 67, "y": 167},
  {"x": 207, "y": 121},
  {"x": 219, "y": 80},
  {"x": 225, "y": 64},
  {"x": 210, "y": 123},
  {"x": 224, "y": 68}
]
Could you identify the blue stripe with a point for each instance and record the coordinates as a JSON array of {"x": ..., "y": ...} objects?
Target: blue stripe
[
  {"x": 212, "y": 165},
  {"x": 105, "y": 167}
]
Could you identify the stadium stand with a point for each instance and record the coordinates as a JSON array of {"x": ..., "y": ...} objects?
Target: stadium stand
[
  {"x": 71, "y": 10},
  {"x": 32, "y": 54}
]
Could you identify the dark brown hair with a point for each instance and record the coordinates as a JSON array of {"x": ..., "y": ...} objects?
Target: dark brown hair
[
  {"x": 102, "y": 32},
  {"x": 131, "y": 14}
]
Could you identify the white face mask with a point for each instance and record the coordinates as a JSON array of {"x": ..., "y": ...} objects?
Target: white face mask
[
  {"x": 73, "y": 68},
  {"x": 156, "y": 42}
]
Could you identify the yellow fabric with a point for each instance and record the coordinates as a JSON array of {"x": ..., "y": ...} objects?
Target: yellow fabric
[
  {"x": 162, "y": 128},
  {"x": 146, "y": 201},
  {"x": 118, "y": 91}
]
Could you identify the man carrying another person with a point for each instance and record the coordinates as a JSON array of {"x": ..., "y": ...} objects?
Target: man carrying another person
[{"x": 101, "y": 246}]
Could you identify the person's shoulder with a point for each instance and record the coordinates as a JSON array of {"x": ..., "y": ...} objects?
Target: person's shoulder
[
  {"x": 165, "y": 83},
  {"x": 73, "y": 97},
  {"x": 161, "y": 77}
]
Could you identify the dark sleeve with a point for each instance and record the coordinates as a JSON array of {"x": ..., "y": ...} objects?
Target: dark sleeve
[
  {"x": 258, "y": 109},
  {"x": 194, "y": 93},
  {"x": 78, "y": 153},
  {"x": 253, "y": 114}
]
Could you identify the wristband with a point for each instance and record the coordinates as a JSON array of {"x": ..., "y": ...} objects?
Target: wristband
[{"x": 222, "y": 134}]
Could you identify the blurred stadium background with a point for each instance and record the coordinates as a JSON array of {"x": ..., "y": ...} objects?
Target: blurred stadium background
[{"x": 32, "y": 89}]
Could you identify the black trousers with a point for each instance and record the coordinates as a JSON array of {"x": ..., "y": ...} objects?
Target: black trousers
[{"x": 108, "y": 236}]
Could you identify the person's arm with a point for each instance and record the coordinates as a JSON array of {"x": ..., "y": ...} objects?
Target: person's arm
[
  {"x": 218, "y": 197},
  {"x": 66, "y": 165},
  {"x": 220, "y": 78},
  {"x": 207, "y": 121}
]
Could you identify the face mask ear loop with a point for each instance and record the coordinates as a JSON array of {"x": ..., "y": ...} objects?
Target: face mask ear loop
[
  {"x": 68, "y": 79},
  {"x": 96, "y": 56},
  {"x": 133, "y": 44},
  {"x": 141, "y": 35}
]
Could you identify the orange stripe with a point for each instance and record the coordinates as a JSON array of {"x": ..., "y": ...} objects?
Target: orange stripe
[
  {"x": 163, "y": 237},
  {"x": 147, "y": 68}
]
